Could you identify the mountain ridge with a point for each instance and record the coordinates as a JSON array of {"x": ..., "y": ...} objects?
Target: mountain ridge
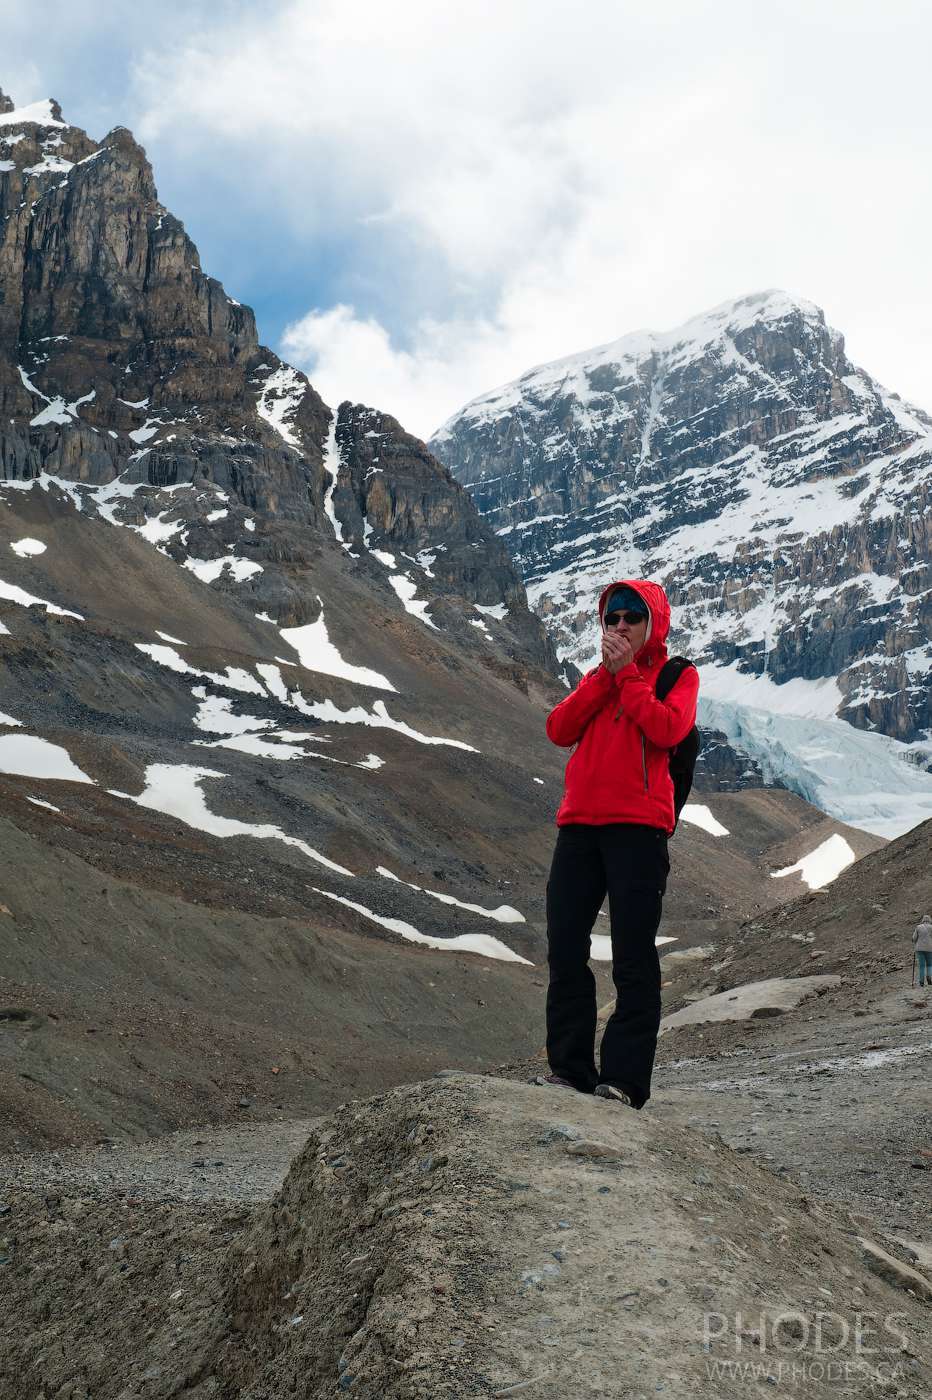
[{"x": 640, "y": 344}]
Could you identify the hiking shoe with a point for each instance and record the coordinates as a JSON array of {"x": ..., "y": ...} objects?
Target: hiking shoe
[
  {"x": 608, "y": 1091},
  {"x": 554, "y": 1079}
]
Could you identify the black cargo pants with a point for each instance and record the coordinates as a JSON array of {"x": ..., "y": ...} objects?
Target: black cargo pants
[{"x": 631, "y": 864}]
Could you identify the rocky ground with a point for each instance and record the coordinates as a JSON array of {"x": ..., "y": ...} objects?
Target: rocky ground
[{"x": 467, "y": 1235}]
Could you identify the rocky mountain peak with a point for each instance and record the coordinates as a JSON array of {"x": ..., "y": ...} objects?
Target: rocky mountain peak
[
  {"x": 44, "y": 113},
  {"x": 121, "y": 360}
]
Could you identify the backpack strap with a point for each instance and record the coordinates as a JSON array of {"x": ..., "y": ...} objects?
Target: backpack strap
[{"x": 669, "y": 674}]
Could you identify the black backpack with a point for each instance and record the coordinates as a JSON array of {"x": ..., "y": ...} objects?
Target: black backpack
[{"x": 683, "y": 756}]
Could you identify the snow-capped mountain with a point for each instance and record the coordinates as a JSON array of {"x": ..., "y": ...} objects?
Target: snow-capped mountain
[{"x": 779, "y": 493}]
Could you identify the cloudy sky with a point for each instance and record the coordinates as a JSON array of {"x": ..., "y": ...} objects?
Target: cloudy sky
[{"x": 421, "y": 200}]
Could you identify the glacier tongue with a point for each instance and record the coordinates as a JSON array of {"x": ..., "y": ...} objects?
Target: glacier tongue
[{"x": 861, "y": 778}]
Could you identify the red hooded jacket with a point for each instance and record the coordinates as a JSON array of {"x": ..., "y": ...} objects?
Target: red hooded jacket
[{"x": 620, "y": 771}]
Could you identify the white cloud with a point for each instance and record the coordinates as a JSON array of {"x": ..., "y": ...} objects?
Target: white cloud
[{"x": 503, "y": 184}]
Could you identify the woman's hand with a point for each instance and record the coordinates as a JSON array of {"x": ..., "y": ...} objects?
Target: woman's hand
[{"x": 616, "y": 652}]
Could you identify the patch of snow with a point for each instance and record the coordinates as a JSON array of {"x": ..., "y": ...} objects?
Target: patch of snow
[
  {"x": 38, "y": 112},
  {"x": 481, "y": 943},
  {"x": 318, "y": 653},
  {"x": 56, "y": 410},
  {"x": 26, "y": 756},
  {"x": 504, "y": 914},
  {"x": 379, "y": 718},
  {"x": 301, "y": 736},
  {"x": 50, "y": 165},
  {"x": 279, "y": 400},
  {"x": 215, "y": 715},
  {"x": 600, "y": 945},
  {"x": 8, "y": 719},
  {"x": 496, "y": 610},
  {"x": 157, "y": 529},
  {"x": 406, "y": 590},
  {"x": 27, "y": 547},
  {"x": 701, "y": 816},
  {"x": 147, "y": 431},
  {"x": 258, "y": 746},
  {"x": 14, "y": 594},
  {"x": 216, "y": 515},
  {"x": 207, "y": 570},
  {"x": 175, "y": 789},
  {"x": 384, "y": 557},
  {"x": 37, "y": 802},
  {"x": 234, "y": 679},
  {"x": 821, "y": 866},
  {"x": 174, "y": 640},
  {"x": 333, "y": 462},
  {"x": 273, "y": 679},
  {"x": 741, "y": 1003},
  {"x": 249, "y": 525}
]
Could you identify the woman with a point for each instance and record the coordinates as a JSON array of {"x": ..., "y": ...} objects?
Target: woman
[{"x": 614, "y": 820}]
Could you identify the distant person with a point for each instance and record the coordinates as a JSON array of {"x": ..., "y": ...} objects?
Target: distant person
[
  {"x": 614, "y": 820},
  {"x": 922, "y": 939}
]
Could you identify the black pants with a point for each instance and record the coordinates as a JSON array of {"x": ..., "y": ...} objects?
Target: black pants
[{"x": 631, "y": 864}]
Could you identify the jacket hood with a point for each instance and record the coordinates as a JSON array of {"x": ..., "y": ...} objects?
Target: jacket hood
[{"x": 659, "y": 607}]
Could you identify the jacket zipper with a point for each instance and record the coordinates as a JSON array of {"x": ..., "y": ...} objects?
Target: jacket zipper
[{"x": 644, "y": 761}]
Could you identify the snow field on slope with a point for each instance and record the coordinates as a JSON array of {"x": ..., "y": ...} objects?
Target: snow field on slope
[
  {"x": 700, "y": 815},
  {"x": 12, "y": 593},
  {"x": 504, "y": 914},
  {"x": 317, "y": 653},
  {"x": 482, "y": 943},
  {"x": 26, "y": 756},
  {"x": 821, "y": 866},
  {"x": 175, "y": 790},
  {"x": 207, "y": 570},
  {"x": 600, "y": 944}
]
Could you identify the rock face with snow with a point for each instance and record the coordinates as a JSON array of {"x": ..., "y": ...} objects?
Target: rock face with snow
[
  {"x": 778, "y": 491},
  {"x": 394, "y": 500},
  {"x": 121, "y": 359}
]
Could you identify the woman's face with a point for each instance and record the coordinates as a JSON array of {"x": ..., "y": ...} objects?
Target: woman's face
[{"x": 632, "y": 626}]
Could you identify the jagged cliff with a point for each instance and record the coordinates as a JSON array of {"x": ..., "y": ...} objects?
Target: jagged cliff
[
  {"x": 121, "y": 359},
  {"x": 778, "y": 491}
]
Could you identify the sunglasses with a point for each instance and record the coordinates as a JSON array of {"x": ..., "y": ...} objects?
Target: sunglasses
[{"x": 612, "y": 619}]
